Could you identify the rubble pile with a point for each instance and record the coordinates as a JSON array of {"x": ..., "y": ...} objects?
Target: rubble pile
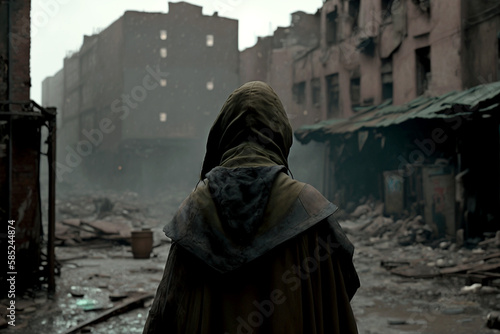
[
  {"x": 368, "y": 219},
  {"x": 474, "y": 261},
  {"x": 371, "y": 222},
  {"x": 111, "y": 217},
  {"x": 72, "y": 231}
]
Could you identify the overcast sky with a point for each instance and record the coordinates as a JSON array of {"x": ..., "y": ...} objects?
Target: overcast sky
[{"x": 58, "y": 26}]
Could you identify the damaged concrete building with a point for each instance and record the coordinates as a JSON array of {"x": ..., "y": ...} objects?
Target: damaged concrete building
[
  {"x": 404, "y": 95},
  {"x": 138, "y": 98},
  {"x": 395, "y": 97}
]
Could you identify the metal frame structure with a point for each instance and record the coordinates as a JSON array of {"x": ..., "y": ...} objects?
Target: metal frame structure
[{"x": 11, "y": 111}]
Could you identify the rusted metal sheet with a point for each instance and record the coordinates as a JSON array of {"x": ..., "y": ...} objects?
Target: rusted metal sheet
[
  {"x": 394, "y": 192},
  {"x": 439, "y": 198},
  {"x": 477, "y": 99}
]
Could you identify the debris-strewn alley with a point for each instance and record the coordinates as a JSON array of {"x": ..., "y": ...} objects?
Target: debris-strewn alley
[{"x": 409, "y": 282}]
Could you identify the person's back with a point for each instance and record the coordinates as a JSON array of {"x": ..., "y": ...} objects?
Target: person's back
[{"x": 254, "y": 251}]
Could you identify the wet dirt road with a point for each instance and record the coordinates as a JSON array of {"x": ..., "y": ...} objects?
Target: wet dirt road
[{"x": 385, "y": 303}]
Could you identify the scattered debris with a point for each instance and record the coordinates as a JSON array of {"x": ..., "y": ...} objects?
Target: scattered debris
[
  {"x": 474, "y": 260},
  {"x": 136, "y": 300},
  {"x": 111, "y": 217},
  {"x": 471, "y": 288},
  {"x": 394, "y": 322}
]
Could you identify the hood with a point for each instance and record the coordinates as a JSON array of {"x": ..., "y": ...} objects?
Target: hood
[
  {"x": 246, "y": 204},
  {"x": 252, "y": 129},
  {"x": 241, "y": 196}
]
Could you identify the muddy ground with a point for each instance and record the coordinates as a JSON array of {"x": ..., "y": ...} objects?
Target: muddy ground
[{"x": 386, "y": 303}]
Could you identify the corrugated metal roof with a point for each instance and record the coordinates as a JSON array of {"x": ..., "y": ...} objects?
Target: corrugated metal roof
[{"x": 481, "y": 98}]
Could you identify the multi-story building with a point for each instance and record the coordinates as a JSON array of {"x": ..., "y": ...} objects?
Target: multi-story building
[
  {"x": 354, "y": 54},
  {"x": 406, "y": 92},
  {"x": 385, "y": 77},
  {"x": 140, "y": 96},
  {"x": 374, "y": 51},
  {"x": 272, "y": 58}
]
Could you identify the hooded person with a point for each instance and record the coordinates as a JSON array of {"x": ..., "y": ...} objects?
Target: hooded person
[{"x": 253, "y": 250}]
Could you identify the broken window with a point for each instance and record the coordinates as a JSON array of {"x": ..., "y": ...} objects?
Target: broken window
[
  {"x": 423, "y": 69},
  {"x": 210, "y": 40},
  {"x": 332, "y": 86},
  {"x": 163, "y": 52},
  {"x": 355, "y": 92},
  {"x": 386, "y": 8},
  {"x": 354, "y": 11},
  {"x": 331, "y": 28},
  {"x": 86, "y": 123},
  {"x": 423, "y": 5},
  {"x": 299, "y": 92},
  {"x": 163, "y": 35},
  {"x": 386, "y": 72},
  {"x": 87, "y": 94},
  {"x": 316, "y": 92},
  {"x": 163, "y": 117}
]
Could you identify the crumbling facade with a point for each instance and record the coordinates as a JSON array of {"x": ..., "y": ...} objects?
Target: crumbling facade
[
  {"x": 140, "y": 96},
  {"x": 362, "y": 53},
  {"x": 408, "y": 93},
  {"x": 373, "y": 51},
  {"x": 272, "y": 58},
  {"x": 21, "y": 121}
]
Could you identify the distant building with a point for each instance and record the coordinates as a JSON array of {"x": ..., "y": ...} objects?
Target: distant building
[
  {"x": 140, "y": 96},
  {"x": 355, "y": 54},
  {"x": 272, "y": 59}
]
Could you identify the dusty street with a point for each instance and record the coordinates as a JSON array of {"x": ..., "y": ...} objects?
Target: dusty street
[
  {"x": 94, "y": 271},
  {"x": 387, "y": 303}
]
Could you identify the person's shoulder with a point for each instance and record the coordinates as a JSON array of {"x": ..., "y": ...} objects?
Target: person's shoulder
[{"x": 309, "y": 196}]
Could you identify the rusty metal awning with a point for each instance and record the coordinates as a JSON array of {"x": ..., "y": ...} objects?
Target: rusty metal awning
[{"x": 482, "y": 98}]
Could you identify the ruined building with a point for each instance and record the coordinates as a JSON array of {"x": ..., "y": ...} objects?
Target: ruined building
[
  {"x": 403, "y": 94},
  {"x": 30, "y": 256},
  {"x": 394, "y": 97},
  {"x": 271, "y": 59},
  {"x": 138, "y": 98}
]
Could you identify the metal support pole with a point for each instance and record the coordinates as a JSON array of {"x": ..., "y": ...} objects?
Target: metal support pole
[
  {"x": 51, "y": 157},
  {"x": 9, "y": 97},
  {"x": 9, "y": 172}
]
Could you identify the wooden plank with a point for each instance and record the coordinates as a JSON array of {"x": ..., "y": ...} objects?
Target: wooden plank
[
  {"x": 111, "y": 228},
  {"x": 476, "y": 278},
  {"x": 393, "y": 264},
  {"x": 460, "y": 268},
  {"x": 484, "y": 267},
  {"x": 484, "y": 257},
  {"x": 489, "y": 274},
  {"x": 417, "y": 271},
  {"x": 136, "y": 300}
]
